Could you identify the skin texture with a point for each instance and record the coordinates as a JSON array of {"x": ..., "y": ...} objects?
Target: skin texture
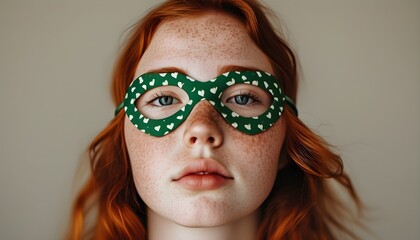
[{"x": 201, "y": 46}]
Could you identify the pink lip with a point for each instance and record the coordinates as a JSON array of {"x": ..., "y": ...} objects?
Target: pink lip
[{"x": 203, "y": 174}]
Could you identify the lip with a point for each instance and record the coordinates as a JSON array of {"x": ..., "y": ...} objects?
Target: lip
[{"x": 203, "y": 174}]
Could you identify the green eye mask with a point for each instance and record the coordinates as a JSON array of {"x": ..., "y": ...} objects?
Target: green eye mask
[{"x": 250, "y": 101}]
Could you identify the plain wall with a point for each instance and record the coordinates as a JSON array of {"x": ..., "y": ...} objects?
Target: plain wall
[{"x": 359, "y": 89}]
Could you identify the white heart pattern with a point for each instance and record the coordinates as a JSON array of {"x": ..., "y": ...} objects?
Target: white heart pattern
[
  {"x": 213, "y": 90},
  {"x": 266, "y": 84},
  {"x": 170, "y": 126},
  {"x": 248, "y": 126},
  {"x": 157, "y": 128},
  {"x": 231, "y": 82},
  {"x": 201, "y": 93}
]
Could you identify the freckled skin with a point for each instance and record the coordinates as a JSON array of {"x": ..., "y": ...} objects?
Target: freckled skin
[{"x": 200, "y": 46}]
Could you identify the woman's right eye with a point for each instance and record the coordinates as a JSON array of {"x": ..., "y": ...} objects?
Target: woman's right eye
[{"x": 162, "y": 101}]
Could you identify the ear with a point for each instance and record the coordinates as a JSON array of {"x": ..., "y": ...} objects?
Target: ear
[{"x": 284, "y": 158}]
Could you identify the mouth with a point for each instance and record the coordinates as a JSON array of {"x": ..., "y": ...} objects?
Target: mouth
[{"x": 203, "y": 174}]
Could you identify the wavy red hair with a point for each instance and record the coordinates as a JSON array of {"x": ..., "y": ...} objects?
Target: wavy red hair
[{"x": 302, "y": 204}]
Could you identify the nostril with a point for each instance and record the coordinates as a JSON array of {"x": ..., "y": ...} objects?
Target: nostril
[
  {"x": 193, "y": 140},
  {"x": 210, "y": 140}
]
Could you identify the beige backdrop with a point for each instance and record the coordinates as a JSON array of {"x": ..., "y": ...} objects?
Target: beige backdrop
[{"x": 360, "y": 90}]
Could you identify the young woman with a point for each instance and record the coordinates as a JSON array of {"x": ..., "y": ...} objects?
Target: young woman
[{"x": 206, "y": 142}]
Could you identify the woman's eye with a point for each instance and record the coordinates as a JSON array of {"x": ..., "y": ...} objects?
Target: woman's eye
[
  {"x": 161, "y": 102},
  {"x": 164, "y": 101},
  {"x": 242, "y": 99},
  {"x": 246, "y": 100}
]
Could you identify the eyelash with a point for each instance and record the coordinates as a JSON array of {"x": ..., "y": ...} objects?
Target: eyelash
[
  {"x": 254, "y": 97},
  {"x": 156, "y": 96}
]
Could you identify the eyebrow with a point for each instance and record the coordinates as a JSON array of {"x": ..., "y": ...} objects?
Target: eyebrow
[
  {"x": 168, "y": 70},
  {"x": 233, "y": 68},
  {"x": 220, "y": 69}
]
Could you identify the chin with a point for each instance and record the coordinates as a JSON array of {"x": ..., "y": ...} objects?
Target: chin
[
  {"x": 203, "y": 221},
  {"x": 206, "y": 215}
]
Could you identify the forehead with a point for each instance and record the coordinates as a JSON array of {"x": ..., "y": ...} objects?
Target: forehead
[{"x": 201, "y": 46}]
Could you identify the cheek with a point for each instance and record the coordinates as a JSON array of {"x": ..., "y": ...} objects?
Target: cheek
[
  {"x": 259, "y": 158},
  {"x": 147, "y": 157}
]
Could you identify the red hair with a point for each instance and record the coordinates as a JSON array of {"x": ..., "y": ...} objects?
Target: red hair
[{"x": 301, "y": 205}]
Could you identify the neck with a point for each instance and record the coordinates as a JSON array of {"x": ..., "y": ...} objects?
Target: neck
[{"x": 160, "y": 228}]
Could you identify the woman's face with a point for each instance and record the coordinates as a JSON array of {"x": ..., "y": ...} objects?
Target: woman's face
[{"x": 205, "y": 172}]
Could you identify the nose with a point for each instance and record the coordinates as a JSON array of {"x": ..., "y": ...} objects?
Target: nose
[{"x": 203, "y": 126}]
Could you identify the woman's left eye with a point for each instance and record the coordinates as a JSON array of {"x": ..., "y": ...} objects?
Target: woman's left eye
[
  {"x": 246, "y": 100},
  {"x": 241, "y": 99}
]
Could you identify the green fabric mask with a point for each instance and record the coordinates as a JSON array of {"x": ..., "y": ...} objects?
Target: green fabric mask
[{"x": 250, "y": 101}]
